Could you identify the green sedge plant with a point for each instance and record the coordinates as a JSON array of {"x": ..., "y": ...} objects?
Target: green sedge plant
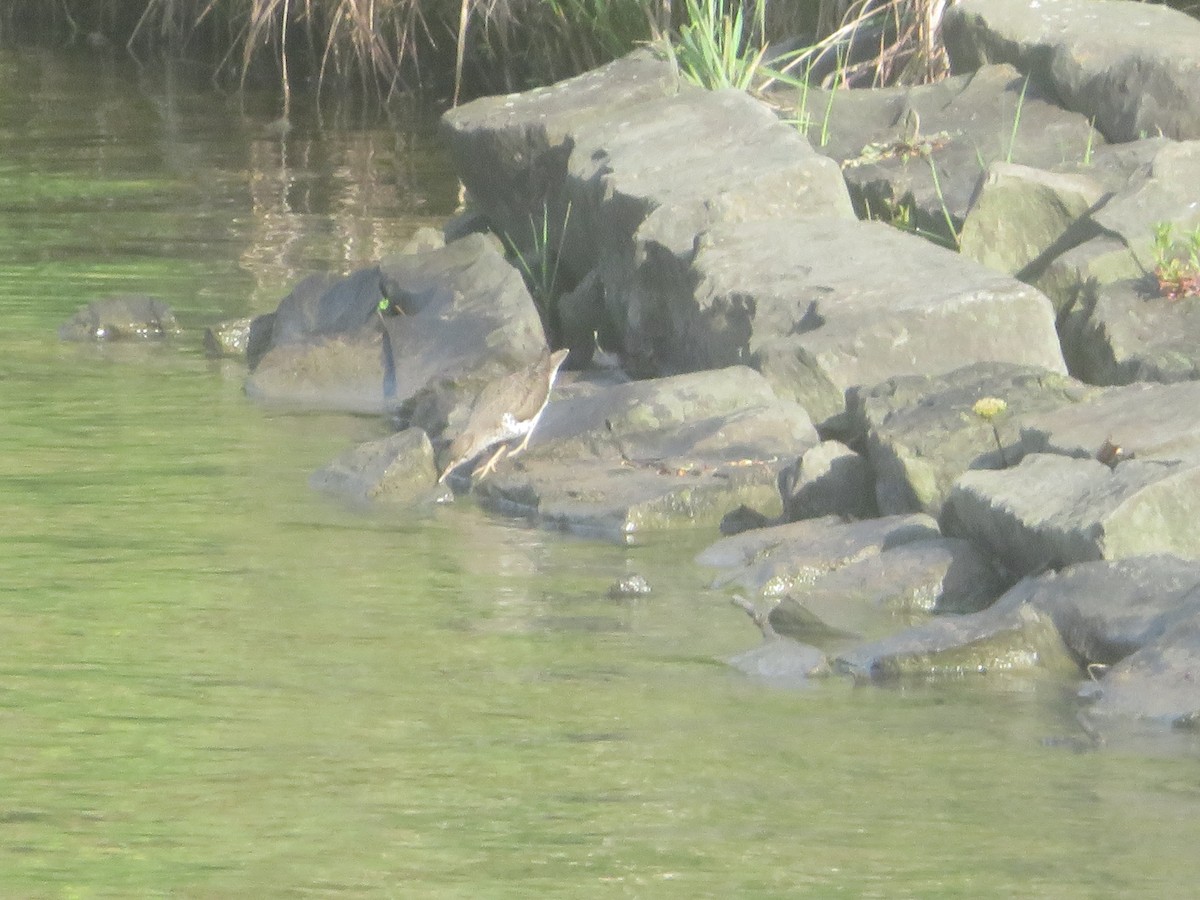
[{"x": 1176, "y": 263}]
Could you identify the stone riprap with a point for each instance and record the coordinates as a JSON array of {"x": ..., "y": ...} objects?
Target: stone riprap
[
  {"x": 916, "y": 153},
  {"x": 921, "y": 433},
  {"x": 743, "y": 253},
  {"x": 797, "y": 363},
  {"x": 1133, "y": 68}
]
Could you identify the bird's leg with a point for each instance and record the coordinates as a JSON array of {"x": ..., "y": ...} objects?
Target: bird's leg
[
  {"x": 524, "y": 443},
  {"x": 490, "y": 465}
]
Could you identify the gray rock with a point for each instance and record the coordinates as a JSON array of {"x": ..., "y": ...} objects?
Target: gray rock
[
  {"x": 1161, "y": 681},
  {"x": 1127, "y": 331},
  {"x": 231, "y": 338},
  {"x": 1105, "y": 611},
  {"x": 455, "y": 317},
  {"x": 921, "y": 432},
  {"x": 1054, "y": 510},
  {"x": 1133, "y": 67},
  {"x": 779, "y": 660},
  {"x": 938, "y": 575},
  {"x": 343, "y": 372},
  {"x": 609, "y": 160},
  {"x": 619, "y": 459},
  {"x": 464, "y": 317},
  {"x": 1148, "y": 421},
  {"x": 773, "y": 561},
  {"x": 1020, "y": 214},
  {"x": 1010, "y": 636},
  {"x": 396, "y": 469},
  {"x": 823, "y": 306},
  {"x": 829, "y": 479},
  {"x": 121, "y": 317}
]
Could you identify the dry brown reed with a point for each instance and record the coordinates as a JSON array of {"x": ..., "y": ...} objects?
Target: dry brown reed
[{"x": 875, "y": 43}]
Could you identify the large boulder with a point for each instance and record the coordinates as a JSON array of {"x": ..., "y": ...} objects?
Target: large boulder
[
  {"x": 623, "y": 168},
  {"x": 821, "y": 306},
  {"x": 1132, "y": 67},
  {"x": 921, "y": 432},
  {"x": 1020, "y": 214},
  {"x": 373, "y": 340}
]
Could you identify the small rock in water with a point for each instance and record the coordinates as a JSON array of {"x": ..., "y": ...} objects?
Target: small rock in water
[{"x": 629, "y": 586}]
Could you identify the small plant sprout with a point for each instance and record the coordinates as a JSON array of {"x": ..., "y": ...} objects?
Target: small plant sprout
[
  {"x": 1176, "y": 267},
  {"x": 989, "y": 409},
  {"x": 1012, "y": 138}
]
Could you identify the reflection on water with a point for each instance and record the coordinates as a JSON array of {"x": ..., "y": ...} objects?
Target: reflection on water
[{"x": 218, "y": 683}]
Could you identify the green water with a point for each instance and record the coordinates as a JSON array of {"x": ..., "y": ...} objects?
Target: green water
[{"x": 216, "y": 683}]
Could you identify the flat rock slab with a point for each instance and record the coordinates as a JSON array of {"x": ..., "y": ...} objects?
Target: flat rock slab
[
  {"x": 820, "y": 306},
  {"x": 1146, "y": 421},
  {"x": 1052, "y": 510},
  {"x": 921, "y": 432},
  {"x": 782, "y": 662},
  {"x": 869, "y": 596},
  {"x": 773, "y": 561},
  {"x": 1134, "y": 68},
  {"x": 618, "y": 459}
]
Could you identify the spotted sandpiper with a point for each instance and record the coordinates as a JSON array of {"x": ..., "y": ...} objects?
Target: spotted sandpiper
[{"x": 505, "y": 410}]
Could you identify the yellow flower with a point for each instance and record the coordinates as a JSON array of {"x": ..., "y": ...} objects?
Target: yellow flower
[{"x": 987, "y": 408}]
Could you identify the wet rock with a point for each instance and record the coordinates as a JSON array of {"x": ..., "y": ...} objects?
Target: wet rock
[
  {"x": 1134, "y": 69},
  {"x": 1108, "y": 610},
  {"x": 396, "y": 469},
  {"x": 463, "y": 317},
  {"x": 829, "y": 479},
  {"x": 231, "y": 338},
  {"x": 458, "y": 316},
  {"x": 823, "y": 322},
  {"x": 629, "y": 586},
  {"x": 871, "y": 596},
  {"x": 1011, "y": 636},
  {"x": 772, "y": 561},
  {"x": 1127, "y": 331},
  {"x": 1160, "y": 681},
  {"x": 323, "y": 348},
  {"x": 921, "y": 432},
  {"x": 618, "y": 459},
  {"x": 124, "y": 317},
  {"x": 779, "y": 660}
]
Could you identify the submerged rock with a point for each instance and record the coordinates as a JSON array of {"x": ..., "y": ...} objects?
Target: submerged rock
[{"x": 123, "y": 317}]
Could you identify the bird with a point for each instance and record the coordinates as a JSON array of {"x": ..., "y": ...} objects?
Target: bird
[{"x": 505, "y": 410}]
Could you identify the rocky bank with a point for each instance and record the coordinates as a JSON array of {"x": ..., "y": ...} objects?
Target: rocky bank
[{"x": 749, "y": 346}]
